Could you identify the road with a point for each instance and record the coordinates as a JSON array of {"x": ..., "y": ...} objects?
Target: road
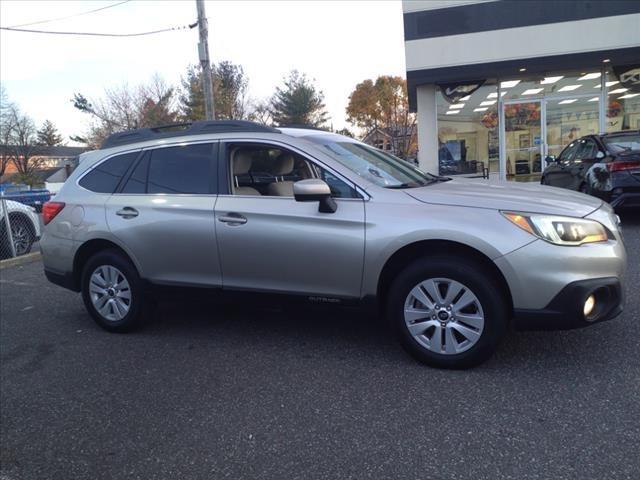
[{"x": 210, "y": 392}]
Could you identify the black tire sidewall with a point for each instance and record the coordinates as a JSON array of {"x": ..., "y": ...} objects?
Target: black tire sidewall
[
  {"x": 18, "y": 219},
  {"x": 134, "y": 317},
  {"x": 474, "y": 276}
]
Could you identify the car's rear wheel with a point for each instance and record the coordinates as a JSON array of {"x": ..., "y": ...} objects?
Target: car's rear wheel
[
  {"x": 112, "y": 291},
  {"x": 447, "y": 312}
]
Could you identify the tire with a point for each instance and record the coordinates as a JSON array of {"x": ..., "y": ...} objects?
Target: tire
[
  {"x": 482, "y": 312},
  {"x": 22, "y": 232},
  {"x": 106, "y": 297}
]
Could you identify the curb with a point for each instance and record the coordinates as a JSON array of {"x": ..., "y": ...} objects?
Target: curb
[{"x": 22, "y": 260}]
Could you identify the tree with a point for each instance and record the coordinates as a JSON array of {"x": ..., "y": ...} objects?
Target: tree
[
  {"x": 229, "y": 93},
  {"x": 7, "y": 120},
  {"x": 384, "y": 104},
  {"x": 260, "y": 112},
  {"x": 125, "y": 108},
  {"x": 48, "y": 135},
  {"x": 346, "y": 132},
  {"x": 22, "y": 146},
  {"x": 298, "y": 102}
]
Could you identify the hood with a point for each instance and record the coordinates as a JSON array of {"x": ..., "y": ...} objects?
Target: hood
[{"x": 514, "y": 196}]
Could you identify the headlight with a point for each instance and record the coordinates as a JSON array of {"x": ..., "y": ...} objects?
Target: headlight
[{"x": 559, "y": 230}]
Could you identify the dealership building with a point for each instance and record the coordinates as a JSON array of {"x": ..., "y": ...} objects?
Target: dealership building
[{"x": 500, "y": 85}]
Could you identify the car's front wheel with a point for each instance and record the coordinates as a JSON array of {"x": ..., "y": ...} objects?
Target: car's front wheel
[
  {"x": 112, "y": 291},
  {"x": 447, "y": 312}
]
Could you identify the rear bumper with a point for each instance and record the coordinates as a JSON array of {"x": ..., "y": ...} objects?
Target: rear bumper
[
  {"x": 565, "y": 311},
  {"x": 626, "y": 200},
  {"x": 65, "y": 280}
]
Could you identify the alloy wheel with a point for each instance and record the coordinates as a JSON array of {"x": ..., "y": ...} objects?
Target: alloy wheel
[
  {"x": 444, "y": 316},
  {"x": 21, "y": 238},
  {"x": 110, "y": 292}
]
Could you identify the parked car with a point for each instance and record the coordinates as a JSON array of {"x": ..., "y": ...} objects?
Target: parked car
[
  {"x": 24, "y": 194},
  {"x": 606, "y": 166},
  {"x": 25, "y": 228},
  {"x": 451, "y": 263}
]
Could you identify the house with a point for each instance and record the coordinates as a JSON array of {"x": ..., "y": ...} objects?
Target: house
[
  {"x": 54, "y": 182},
  {"x": 47, "y": 157},
  {"x": 400, "y": 142}
]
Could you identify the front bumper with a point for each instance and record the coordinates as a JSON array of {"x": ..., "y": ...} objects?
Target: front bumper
[{"x": 565, "y": 311}]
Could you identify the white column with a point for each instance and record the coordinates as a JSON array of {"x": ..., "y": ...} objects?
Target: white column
[{"x": 427, "y": 129}]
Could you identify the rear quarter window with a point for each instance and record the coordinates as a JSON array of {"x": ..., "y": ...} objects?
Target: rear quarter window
[{"x": 104, "y": 178}]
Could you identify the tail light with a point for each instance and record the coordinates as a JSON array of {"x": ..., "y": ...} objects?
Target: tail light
[
  {"x": 620, "y": 166},
  {"x": 50, "y": 210}
]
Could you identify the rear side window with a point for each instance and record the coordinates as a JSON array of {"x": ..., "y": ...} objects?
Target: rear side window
[
  {"x": 105, "y": 177},
  {"x": 137, "y": 182},
  {"x": 185, "y": 169}
]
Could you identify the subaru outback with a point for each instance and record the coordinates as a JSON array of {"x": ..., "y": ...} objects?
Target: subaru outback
[{"x": 236, "y": 206}]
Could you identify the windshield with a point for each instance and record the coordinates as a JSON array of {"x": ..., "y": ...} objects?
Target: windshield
[
  {"x": 374, "y": 165},
  {"x": 624, "y": 143}
]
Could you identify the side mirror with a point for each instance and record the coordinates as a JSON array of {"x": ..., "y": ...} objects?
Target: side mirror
[
  {"x": 315, "y": 190},
  {"x": 550, "y": 159},
  {"x": 600, "y": 155}
]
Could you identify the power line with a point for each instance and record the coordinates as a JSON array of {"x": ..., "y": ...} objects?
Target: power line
[
  {"x": 69, "y": 16},
  {"x": 93, "y": 34}
]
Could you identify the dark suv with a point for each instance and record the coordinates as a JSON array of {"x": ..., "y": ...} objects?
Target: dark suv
[{"x": 606, "y": 166}]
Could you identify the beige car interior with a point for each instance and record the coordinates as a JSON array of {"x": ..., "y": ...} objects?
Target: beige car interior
[{"x": 279, "y": 166}]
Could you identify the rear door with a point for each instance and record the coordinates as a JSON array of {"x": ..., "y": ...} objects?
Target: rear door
[
  {"x": 163, "y": 212},
  {"x": 270, "y": 242}
]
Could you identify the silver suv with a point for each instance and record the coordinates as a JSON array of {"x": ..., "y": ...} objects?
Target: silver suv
[{"x": 242, "y": 207}]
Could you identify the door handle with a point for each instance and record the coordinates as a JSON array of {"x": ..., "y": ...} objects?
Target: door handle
[
  {"x": 233, "y": 219},
  {"x": 127, "y": 212}
]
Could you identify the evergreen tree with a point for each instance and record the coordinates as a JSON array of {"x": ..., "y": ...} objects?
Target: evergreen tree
[
  {"x": 48, "y": 135},
  {"x": 298, "y": 102},
  {"x": 229, "y": 93}
]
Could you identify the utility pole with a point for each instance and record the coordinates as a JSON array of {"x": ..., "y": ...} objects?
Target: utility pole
[{"x": 205, "y": 63}]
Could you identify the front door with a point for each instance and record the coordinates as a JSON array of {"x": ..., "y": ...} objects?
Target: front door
[{"x": 269, "y": 242}]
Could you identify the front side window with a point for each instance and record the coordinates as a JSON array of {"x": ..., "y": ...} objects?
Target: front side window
[
  {"x": 569, "y": 153},
  {"x": 179, "y": 170},
  {"x": 105, "y": 177},
  {"x": 374, "y": 165},
  {"x": 267, "y": 170}
]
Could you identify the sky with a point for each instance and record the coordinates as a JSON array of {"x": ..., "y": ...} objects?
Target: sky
[{"x": 337, "y": 43}]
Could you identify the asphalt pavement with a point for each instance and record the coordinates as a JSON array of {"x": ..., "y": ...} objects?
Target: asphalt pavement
[{"x": 237, "y": 391}]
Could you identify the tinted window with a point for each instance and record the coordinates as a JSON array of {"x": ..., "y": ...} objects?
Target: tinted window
[
  {"x": 184, "y": 169},
  {"x": 105, "y": 177},
  {"x": 587, "y": 150},
  {"x": 137, "y": 182},
  {"x": 569, "y": 152},
  {"x": 339, "y": 189},
  {"x": 622, "y": 143}
]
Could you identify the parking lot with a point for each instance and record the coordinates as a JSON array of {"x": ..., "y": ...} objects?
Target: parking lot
[{"x": 239, "y": 391}]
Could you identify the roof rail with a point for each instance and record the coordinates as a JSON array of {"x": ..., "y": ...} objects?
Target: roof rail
[
  {"x": 182, "y": 130},
  {"x": 305, "y": 127}
]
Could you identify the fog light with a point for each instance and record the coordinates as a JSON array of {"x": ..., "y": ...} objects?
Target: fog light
[{"x": 589, "y": 305}]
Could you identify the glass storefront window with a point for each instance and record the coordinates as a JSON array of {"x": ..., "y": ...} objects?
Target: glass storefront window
[
  {"x": 468, "y": 133},
  {"x": 623, "y": 106},
  {"x": 570, "y": 119},
  {"x": 523, "y": 140}
]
